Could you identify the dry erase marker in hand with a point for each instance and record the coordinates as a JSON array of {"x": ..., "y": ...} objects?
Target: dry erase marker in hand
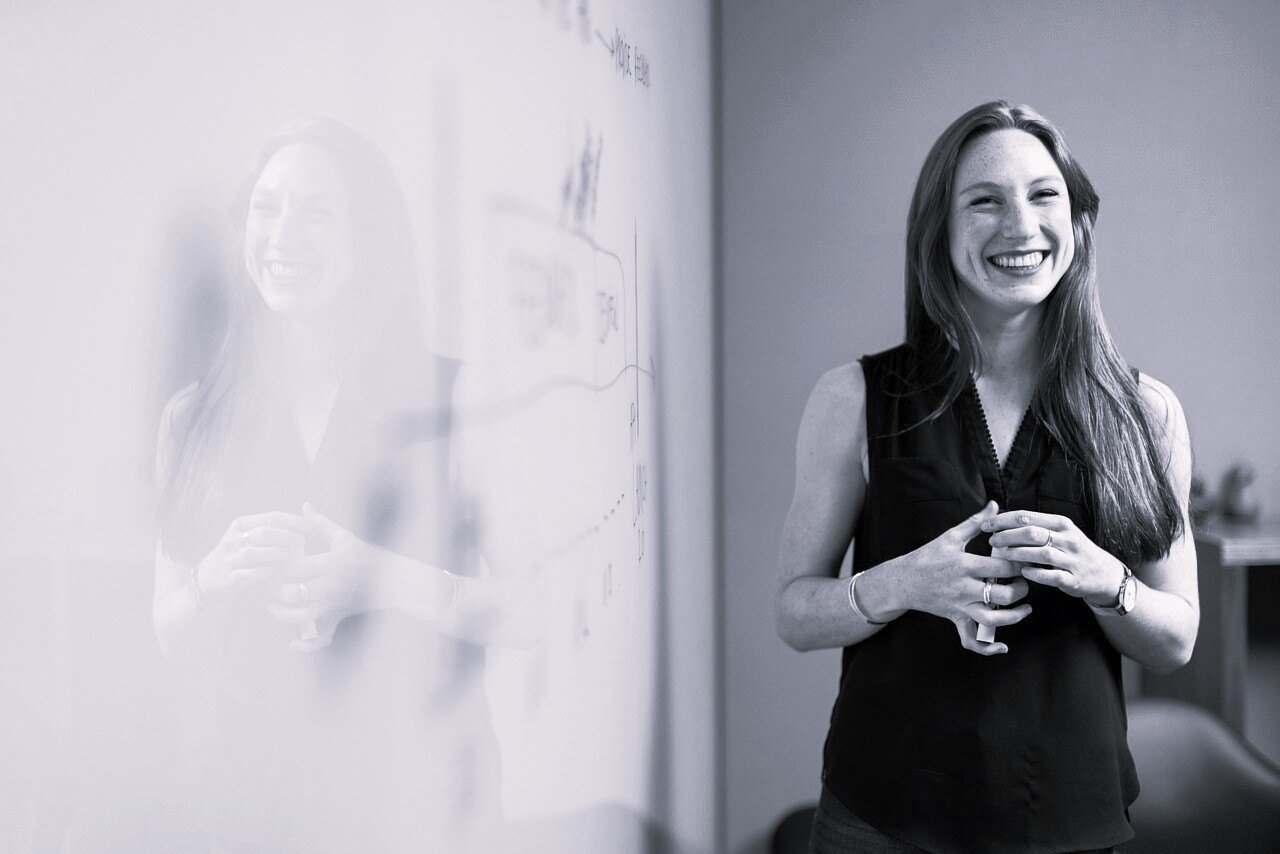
[{"x": 987, "y": 634}]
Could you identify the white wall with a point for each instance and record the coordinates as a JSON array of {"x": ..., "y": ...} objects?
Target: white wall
[{"x": 829, "y": 110}]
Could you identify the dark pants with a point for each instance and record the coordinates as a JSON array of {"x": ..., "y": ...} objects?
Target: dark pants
[{"x": 836, "y": 830}]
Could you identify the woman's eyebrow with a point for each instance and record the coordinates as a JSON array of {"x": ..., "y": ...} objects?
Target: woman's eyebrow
[{"x": 981, "y": 185}]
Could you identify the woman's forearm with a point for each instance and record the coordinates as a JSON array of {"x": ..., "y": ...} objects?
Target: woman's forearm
[
  {"x": 1159, "y": 633},
  {"x": 483, "y": 610},
  {"x": 815, "y": 613}
]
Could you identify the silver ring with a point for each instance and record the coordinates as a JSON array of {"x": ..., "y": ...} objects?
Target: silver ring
[
  {"x": 986, "y": 594},
  {"x": 1048, "y": 544},
  {"x": 246, "y": 536},
  {"x": 302, "y": 591}
]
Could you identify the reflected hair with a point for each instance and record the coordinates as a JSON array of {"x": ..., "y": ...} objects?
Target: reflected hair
[
  {"x": 1087, "y": 395},
  {"x": 379, "y": 309}
]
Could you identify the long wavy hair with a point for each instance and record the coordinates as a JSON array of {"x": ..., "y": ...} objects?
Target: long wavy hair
[
  {"x": 1087, "y": 395},
  {"x": 379, "y": 310}
]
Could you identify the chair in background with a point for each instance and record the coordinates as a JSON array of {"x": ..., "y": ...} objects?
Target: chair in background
[{"x": 1204, "y": 788}]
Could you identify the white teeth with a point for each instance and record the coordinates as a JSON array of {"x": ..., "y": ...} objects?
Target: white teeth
[
  {"x": 283, "y": 270},
  {"x": 1030, "y": 259}
]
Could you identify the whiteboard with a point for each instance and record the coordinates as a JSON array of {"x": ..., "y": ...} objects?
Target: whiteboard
[{"x": 556, "y": 156}]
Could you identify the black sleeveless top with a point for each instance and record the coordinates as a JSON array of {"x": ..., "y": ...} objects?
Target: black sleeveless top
[
  {"x": 934, "y": 744},
  {"x": 382, "y": 740}
]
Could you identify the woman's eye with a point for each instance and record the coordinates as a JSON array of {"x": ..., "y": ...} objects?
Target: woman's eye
[
  {"x": 983, "y": 200},
  {"x": 1046, "y": 194}
]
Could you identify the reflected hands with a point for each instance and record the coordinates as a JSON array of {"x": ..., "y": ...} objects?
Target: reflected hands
[
  {"x": 1052, "y": 550},
  {"x": 252, "y": 550},
  {"x": 324, "y": 589}
]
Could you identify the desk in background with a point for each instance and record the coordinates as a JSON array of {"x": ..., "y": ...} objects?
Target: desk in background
[{"x": 1215, "y": 677}]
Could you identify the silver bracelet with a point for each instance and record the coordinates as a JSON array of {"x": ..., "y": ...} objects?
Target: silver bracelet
[{"x": 853, "y": 603}]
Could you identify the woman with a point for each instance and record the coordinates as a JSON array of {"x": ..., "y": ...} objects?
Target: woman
[
  {"x": 1003, "y": 469},
  {"x": 312, "y": 552}
]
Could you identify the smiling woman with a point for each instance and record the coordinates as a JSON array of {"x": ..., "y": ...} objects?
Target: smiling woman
[
  {"x": 1003, "y": 469},
  {"x": 312, "y": 553},
  {"x": 298, "y": 240}
]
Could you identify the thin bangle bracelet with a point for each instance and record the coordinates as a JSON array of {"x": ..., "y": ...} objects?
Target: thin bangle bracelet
[{"x": 853, "y": 602}]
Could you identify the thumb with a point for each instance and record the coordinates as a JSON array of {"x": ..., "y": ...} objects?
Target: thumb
[
  {"x": 324, "y": 526},
  {"x": 972, "y": 527}
]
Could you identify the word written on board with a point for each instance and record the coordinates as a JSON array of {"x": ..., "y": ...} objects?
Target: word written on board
[{"x": 629, "y": 62}]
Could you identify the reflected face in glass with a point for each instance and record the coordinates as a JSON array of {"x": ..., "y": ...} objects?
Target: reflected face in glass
[
  {"x": 298, "y": 240},
  {"x": 1009, "y": 227}
]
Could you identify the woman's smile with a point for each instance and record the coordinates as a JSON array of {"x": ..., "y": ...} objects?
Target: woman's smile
[{"x": 1009, "y": 227}]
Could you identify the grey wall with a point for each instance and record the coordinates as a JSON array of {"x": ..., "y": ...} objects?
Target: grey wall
[{"x": 829, "y": 109}]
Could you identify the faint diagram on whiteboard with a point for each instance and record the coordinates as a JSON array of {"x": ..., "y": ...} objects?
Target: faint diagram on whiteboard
[{"x": 560, "y": 438}]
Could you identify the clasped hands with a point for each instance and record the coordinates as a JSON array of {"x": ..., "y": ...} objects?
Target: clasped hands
[
  {"x": 316, "y": 591},
  {"x": 1044, "y": 548}
]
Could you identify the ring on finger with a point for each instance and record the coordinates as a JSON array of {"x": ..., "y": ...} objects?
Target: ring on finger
[
  {"x": 302, "y": 591},
  {"x": 1048, "y": 543},
  {"x": 986, "y": 594}
]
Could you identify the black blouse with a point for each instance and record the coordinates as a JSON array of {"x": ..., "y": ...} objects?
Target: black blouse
[{"x": 934, "y": 744}]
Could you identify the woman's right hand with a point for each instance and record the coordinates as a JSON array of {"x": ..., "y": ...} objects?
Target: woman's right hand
[
  {"x": 248, "y": 553},
  {"x": 948, "y": 581}
]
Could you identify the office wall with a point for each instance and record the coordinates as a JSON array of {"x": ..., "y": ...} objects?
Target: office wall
[
  {"x": 829, "y": 110},
  {"x": 556, "y": 159}
]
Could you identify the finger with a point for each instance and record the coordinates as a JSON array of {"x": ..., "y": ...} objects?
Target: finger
[
  {"x": 1058, "y": 578},
  {"x": 297, "y": 614},
  {"x": 968, "y": 631},
  {"x": 1047, "y": 555},
  {"x": 281, "y": 537},
  {"x": 245, "y": 575},
  {"x": 273, "y": 519},
  {"x": 323, "y": 525},
  {"x": 1005, "y": 595},
  {"x": 1023, "y": 518},
  {"x": 998, "y": 616},
  {"x": 291, "y": 594},
  {"x": 305, "y": 568},
  {"x": 1032, "y": 535},
  {"x": 971, "y": 527},
  {"x": 259, "y": 555},
  {"x": 980, "y": 566}
]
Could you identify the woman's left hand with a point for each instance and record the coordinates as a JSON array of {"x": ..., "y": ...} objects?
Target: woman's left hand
[
  {"x": 322, "y": 590},
  {"x": 1057, "y": 553}
]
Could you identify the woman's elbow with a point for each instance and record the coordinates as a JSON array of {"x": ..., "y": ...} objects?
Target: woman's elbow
[{"x": 790, "y": 627}]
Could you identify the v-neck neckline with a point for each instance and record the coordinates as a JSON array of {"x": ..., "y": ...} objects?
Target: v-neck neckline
[
  {"x": 308, "y": 457},
  {"x": 1001, "y": 475}
]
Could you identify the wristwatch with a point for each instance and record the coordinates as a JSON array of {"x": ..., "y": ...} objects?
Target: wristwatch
[{"x": 1124, "y": 599}]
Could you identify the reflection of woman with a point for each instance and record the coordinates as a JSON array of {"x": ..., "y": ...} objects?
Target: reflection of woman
[
  {"x": 1003, "y": 468},
  {"x": 305, "y": 537}
]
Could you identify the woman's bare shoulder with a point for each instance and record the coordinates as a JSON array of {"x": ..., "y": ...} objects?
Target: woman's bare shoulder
[
  {"x": 1165, "y": 411},
  {"x": 178, "y": 407},
  {"x": 175, "y": 413},
  {"x": 834, "y": 416}
]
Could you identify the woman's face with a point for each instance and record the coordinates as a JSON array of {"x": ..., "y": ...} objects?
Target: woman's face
[
  {"x": 1009, "y": 226},
  {"x": 298, "y": 239}
]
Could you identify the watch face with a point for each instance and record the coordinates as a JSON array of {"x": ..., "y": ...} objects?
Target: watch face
[{"x": 1127, "y": 597}]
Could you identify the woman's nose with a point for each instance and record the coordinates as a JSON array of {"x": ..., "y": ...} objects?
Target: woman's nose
[
  {"x": 285, "y": 228},
  {"x": 1020, "y": 220}
]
